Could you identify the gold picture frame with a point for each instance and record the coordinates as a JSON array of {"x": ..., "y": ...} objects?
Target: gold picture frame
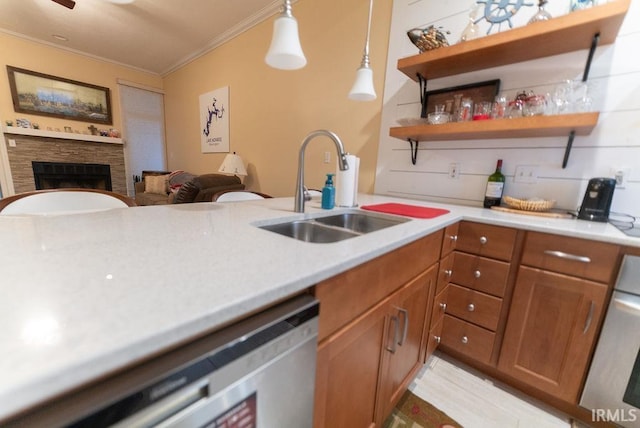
[{"x": 45, "y": 95}]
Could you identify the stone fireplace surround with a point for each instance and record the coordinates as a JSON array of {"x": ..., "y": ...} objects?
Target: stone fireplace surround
[{"x": 30, "y": 148}]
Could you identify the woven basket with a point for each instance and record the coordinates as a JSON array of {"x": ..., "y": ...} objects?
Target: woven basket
[{"x": 529, "y": 204}]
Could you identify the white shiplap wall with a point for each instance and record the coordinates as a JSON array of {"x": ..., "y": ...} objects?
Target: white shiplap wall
[{"x": 614, "y": 143}]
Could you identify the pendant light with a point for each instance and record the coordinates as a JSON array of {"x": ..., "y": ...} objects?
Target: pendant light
[
  {"x": 363, "y": 89},
  {"x": 285, "y": 52}
]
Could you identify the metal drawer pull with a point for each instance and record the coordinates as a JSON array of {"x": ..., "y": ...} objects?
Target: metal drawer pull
[
  {"x": 573, "y": 257},
  {"x": 443, "y": 306},
  {"x": 405, "y": 327},
  {"x": 465, "y": 339},
  {"x": 396, "y": 321},
  {"x": 471, "y": 307},
  {"x": 437, "y": 339},
  {"x": 483, "y": 240},
  {"x": 453, "y": 238},
  {"x": 448, "y": 272},
  {"x": 477, "y": 274},
  {"x": 587, "y": 323}
]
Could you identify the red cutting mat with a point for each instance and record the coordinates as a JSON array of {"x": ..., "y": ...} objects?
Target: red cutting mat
[{"x": 406, "y": 210}]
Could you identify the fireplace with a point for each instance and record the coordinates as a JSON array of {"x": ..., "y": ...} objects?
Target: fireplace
[{"x": 55, "y": 175}]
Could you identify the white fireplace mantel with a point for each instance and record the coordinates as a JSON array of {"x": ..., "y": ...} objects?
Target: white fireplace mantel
[{"x": 60, "y": 135}]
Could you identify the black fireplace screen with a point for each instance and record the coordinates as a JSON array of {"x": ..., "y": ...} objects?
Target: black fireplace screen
[{"x": 56, "y": 175}]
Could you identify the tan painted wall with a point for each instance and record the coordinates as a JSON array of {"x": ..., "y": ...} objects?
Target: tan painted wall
[
  {"x": 49, "y": 60},
  {"x": 271, "y": 111}
]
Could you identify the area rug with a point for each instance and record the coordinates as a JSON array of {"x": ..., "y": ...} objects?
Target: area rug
[{"x": 413, "y": 412}]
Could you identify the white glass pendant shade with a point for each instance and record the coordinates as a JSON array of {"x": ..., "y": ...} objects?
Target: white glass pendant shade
[
  {"x": 285, "y": 52},
  {"x": 363, "y": 89}
]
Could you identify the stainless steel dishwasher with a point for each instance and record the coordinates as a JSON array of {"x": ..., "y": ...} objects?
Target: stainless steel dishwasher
[
  {"x": 259, "y": 372},
  {"x": 612, "y": 390}
]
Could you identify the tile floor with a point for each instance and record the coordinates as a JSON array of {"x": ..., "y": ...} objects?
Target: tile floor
[{"x": 475, "y": 401}]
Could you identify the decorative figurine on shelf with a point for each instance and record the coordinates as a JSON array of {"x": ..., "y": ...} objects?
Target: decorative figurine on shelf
[
  {"x": 499, "y": 11},
  {"x": 471, "y": 30},
  {"x": 23, "y": 123},
  {"x": 541, "y": 14},
  {"x": 9, "y": 122},
  {"x": 427, "y": 39},
  {"x": 93, "y": 130},
  {"x": 580, "y": 4}
]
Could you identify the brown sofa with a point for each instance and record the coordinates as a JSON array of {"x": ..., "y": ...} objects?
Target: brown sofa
[{"x": 194, "y": 188}]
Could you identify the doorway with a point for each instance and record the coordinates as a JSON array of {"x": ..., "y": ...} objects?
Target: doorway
[{"x": 143, "y": 130}]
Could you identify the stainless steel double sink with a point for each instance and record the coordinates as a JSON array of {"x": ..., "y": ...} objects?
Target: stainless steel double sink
[{"x": 336, "y": 227}]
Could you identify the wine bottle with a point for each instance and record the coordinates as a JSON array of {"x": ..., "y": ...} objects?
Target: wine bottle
[{"x": 495, "y": 186}]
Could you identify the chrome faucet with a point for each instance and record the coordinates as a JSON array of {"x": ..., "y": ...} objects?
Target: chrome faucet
[{"x": 300, "y": 197}]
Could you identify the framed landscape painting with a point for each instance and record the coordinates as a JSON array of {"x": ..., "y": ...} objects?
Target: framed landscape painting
[{"x": 45, "y": 95}]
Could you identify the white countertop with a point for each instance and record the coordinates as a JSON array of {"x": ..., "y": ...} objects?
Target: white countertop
[{"x": 86, "y": 294}]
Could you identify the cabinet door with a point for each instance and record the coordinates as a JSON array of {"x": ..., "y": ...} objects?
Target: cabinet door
[
  {"x": 550, "y": 332},
  {"x": 348, "y": 364},
  {"x": 405, "y": 354}
]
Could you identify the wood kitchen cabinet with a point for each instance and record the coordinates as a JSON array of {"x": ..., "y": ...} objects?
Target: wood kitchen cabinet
[
  {"x": 548, "y": 341},
  {"x": 372, "y": 334},
  {"x": 404, "y": 344},
  {"x": 478, "y": 276},
  {"x": 556, "y": 312}
]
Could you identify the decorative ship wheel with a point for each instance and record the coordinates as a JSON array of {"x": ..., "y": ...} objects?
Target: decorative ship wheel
[{"x": 498, "y": 11}]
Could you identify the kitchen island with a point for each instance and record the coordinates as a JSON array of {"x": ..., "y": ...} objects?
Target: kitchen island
[{"x": 85, "y": 295}]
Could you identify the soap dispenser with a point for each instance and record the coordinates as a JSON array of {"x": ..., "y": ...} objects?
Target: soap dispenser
[{"x": 328, "y": 193}]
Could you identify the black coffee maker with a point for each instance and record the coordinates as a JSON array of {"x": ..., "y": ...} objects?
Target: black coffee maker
[{"x": 597, "y": 199}]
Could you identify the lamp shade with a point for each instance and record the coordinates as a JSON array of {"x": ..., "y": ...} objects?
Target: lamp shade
[
  {"x": 285, "y": 52},
  {"x": 233, "y": 164},
  {"x": 363, "y": 89}
]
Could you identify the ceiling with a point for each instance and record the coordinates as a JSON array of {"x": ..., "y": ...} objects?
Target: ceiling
[{"x": 157, "y": 36}]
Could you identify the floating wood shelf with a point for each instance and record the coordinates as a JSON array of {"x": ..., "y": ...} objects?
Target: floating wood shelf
[
  {"x": 525, "y": 127},
  {"x": 567, "y": 33}
]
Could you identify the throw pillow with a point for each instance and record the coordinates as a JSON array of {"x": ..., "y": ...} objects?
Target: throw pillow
[
  {"x": 177, "y": 179},
  {"x": 156, "y": 184}
]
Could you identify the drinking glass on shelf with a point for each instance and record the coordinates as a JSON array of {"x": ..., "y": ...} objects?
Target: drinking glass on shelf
[
  {"x": 562, "y": 97},
  {"x": 582, "y": 101},
  {"x": 482, "y": 111},
  {"x": 466, "y": 110},
  {"x": 499, "y": 109}
]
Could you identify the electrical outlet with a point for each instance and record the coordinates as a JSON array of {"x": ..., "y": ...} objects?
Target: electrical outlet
[
  {"x": 526, "y": 174},
  {"x": 454, "y": 170},
  {"x": 327, "y": 157},
  {"x": 12, "y": 142},
  {"x": 621, "y": 175}
]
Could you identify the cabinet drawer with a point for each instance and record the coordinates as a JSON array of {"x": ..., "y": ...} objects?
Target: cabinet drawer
[
  {"x": 466, "y": 338},
  {"x": 486, "y": 240},
  {"x": 434, "y": 338},
  {"x": 473, "y": 306},
  {"x": 439, "y": 307},
  {"x": 480, "y": 273},
  {"x": 449, "y": 239},
  {"x": 444, "y": 273},
  {"x": 573, "y": 256}
]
